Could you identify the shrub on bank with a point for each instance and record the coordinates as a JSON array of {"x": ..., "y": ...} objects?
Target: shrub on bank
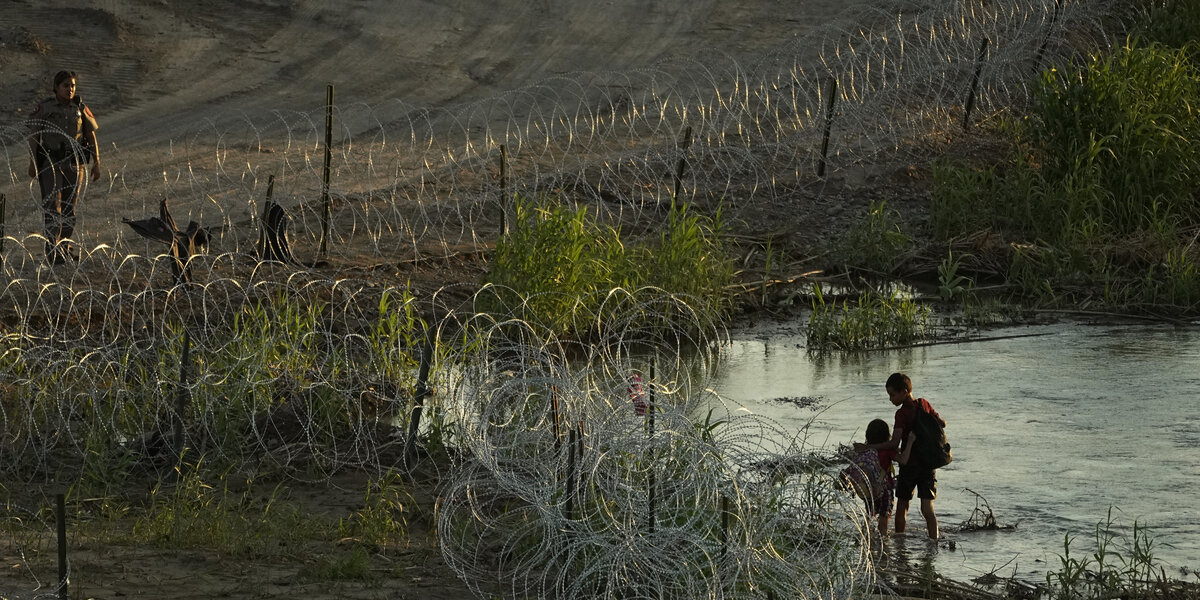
[
  {"x": 873, "y": 321},
  {"x": 558, "y": 265},
  {"x": 1102, "y": 184}
]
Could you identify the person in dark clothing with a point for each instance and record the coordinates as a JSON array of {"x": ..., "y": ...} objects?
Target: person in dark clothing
[{"x": 62, "y": 140}]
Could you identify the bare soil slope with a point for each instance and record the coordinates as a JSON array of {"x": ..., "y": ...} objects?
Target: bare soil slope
[{"x": 155, "y": 70}]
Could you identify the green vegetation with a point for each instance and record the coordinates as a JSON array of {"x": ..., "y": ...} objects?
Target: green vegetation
[
  {"x": 1122, "y": 566},
  {"x": 1173, "y": 23},
  {"x": 558, "y": 265},
  {"x": 873, "y": 321},
  {"x": 282, "y": 371},
  {"x": 950, "y": 284},
  {"x": 201, "y": 512},
  {"x": 190, "y": 513},
  {"x": 1099, "y": 196},
  {"x": 382, "y": 519},
  {"x": 875, "y": 243},
  {"x": 352, "y": 565}
]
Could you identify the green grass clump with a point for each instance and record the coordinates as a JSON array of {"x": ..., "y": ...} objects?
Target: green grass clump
[
  {"x": 876, "y": 242},
  {"x": 1122, "y": 566},
  {"x": 354, "y": 565},
  {"x": 1099, "y": 198},
  {"x": 873, "y": 321},
  {"x": 382, "y": 520},
  {"x": 558, "y": 265},
  {"x": 1122, "y": 128},
  {"x": 191, "y": 513}
]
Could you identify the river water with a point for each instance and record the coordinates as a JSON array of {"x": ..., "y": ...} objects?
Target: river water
[{"x": 1053, "y": 429}]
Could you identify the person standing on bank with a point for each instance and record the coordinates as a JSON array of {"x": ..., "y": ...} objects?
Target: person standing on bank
[
  {"x": 923, "y": 479},
  {"x": 62, "y": 140}
]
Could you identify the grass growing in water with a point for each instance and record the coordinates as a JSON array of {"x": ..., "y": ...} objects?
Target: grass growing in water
[{"x": 1122, "y": 566}]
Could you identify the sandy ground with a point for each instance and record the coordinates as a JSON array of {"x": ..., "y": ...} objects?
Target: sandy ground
[
  {"x": 155, "y": 71},
  {"x": 161, "y": 74}
]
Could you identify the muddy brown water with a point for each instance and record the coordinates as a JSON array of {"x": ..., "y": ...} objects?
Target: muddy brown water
[{"x": 1053, "y": 430}]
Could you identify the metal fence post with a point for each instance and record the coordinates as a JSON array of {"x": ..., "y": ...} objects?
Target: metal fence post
[
  {"x": 974, "y": 84},
  {"x": 503, "y": 189},
  {"x": 60, "y": 515},
  {"x": 326, "y": 209},
  {"x": 414, "y": 424},
  {"x": 684, "y": 145},
  {"x": 828, "y": 126}
]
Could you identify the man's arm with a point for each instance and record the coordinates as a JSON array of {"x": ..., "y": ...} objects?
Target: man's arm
[
  {"x": 91, "y": 141},
  {"x": 33, "y": 148},
  {"x": 35, "y": 138}
]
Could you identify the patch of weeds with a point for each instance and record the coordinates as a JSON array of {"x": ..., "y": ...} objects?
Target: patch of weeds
[
  {"x": 873, "y": 321},
  {"x": 192, "y": 513},
  {"x": 1173, "y": 23},
  {"x": 559, "y": 264},
  {"x": 1098, "y": 195},
  {"x": 382, "y": 521},
  {"x": 354, "y": 565},
  {"x": 876, "y": 242}
]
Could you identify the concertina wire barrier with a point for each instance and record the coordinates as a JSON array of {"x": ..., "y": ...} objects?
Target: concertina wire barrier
[{"x": 309, "y": 365}]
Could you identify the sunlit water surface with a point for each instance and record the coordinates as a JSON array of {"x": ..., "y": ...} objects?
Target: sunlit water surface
[{"x": 1053, "y": 430}]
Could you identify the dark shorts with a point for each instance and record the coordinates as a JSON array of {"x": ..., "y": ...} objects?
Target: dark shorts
[
  {"x": 881, "y": 505},
  {"x": 924, "y": 480}
]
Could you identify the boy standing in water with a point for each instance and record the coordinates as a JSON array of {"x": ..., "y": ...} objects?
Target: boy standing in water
[{"x": 923, "y": 479}]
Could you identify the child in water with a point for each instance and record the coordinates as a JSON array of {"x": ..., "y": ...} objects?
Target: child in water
[{"x": 881, "y": 505}]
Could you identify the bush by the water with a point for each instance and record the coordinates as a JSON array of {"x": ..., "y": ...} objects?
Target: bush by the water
[
  {"x": 1100, "y": 193},
  {"x": 875, "y": 320},
  {"x": 558, "y": 264}
]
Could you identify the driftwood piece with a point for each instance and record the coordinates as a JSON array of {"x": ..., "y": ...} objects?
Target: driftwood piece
[
  {"x": 273, "y": 244},
  {"x": 982, "y": 518},
  {"x": 183, "y": 245}
]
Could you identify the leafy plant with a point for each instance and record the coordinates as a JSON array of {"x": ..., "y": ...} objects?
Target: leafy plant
[
  {"x": 1122, "y": 565},
  {"x": 876, "y": 242},
  {"x": 558, "y": 265},
  {"x": 382, "y": 518},
  {"x": 873, "y": 321},
  {"x": 950, "y": 283}
]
